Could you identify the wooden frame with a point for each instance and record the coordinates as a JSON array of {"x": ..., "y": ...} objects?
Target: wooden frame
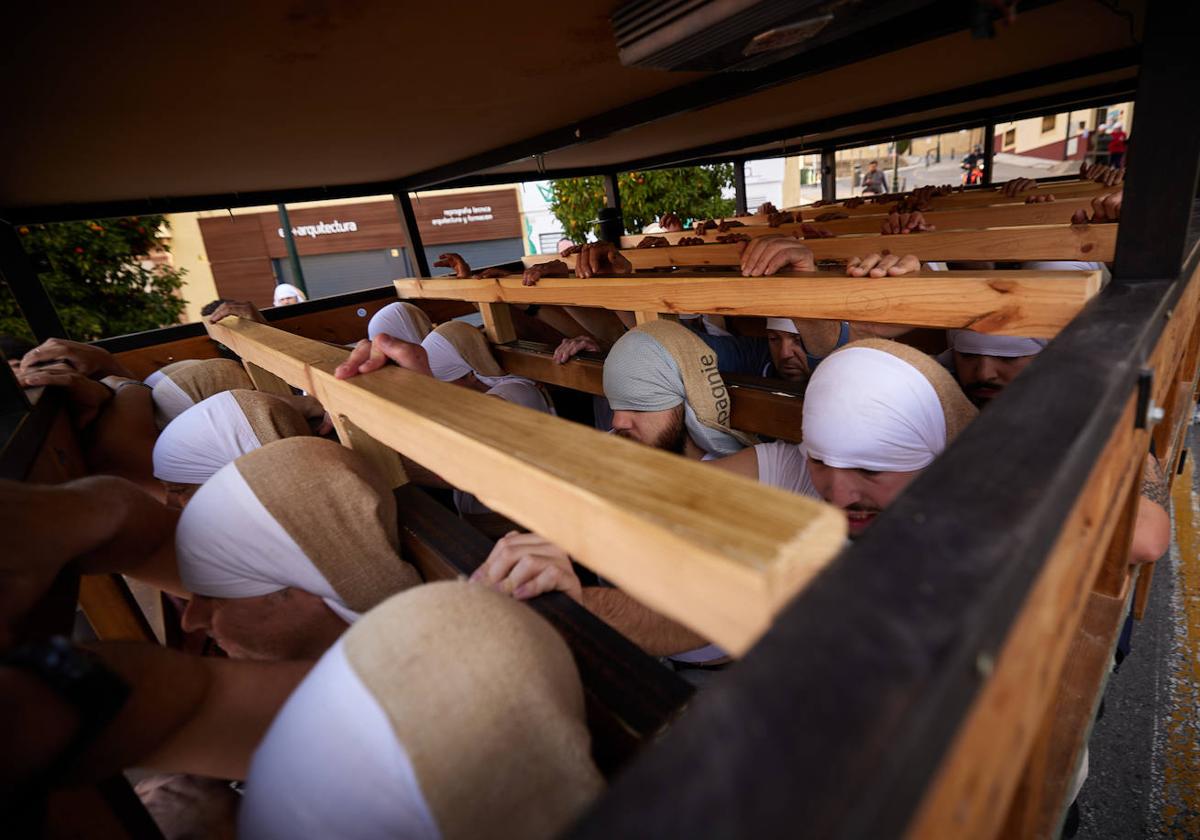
[
  {"x": 1006, "y": 215},
  {"x": 1090, "y": 243},
  {"x": 722, "y": 556},
  {"x": 1036, "y": 304}
]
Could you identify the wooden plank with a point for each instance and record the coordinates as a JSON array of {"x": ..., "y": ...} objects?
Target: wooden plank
[
  {"x": 1042, "y": 796},
  {"x": 973, "y": 786},
  {"x": 1093, "y": 243},
  {"x": 1113, "y": 578},
  {"x": 630, "y": 696},
  {"x": 385, "y": 459},
  {"x": 645, "y": 316},
  {"x": 145, "y": 360},
  {"x": 761, "y": 406},
  {"x": 498, "y": 322},
  {"x": 1003, "y": 215},
  {"x": 972, "y": 198},
  {"x": 718, "y": 553},
  {"x": 1035, "y": 304}
]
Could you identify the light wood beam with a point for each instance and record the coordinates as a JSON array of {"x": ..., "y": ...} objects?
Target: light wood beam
[
  {"x": 1026, "y": 303},
  {"x": 716, "y": 552}
]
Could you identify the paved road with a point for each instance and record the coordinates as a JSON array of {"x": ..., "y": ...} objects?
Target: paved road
[{"x": 1144, "y": 778}]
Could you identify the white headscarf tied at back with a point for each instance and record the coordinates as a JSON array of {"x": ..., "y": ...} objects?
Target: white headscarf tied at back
[
  {"x": 883, "y": 406},
  {"x": 449, "y": 712},
  {"x": 186, "y": 383},
  {"x": 286, "y": 290},
  {"x": 400, "y": 320},
  {"x": 302, "y": 512},
  {"x": 786, "y": 325},
  {"x": 456, "y": 349},
  {"x": 984, "y": 344},
  {"x": 221, "y": 429}
]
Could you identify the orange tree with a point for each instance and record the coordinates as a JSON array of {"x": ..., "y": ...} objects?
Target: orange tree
[
  {"x": 101, "y": 277},
  {"x": 692, "y": 192}
]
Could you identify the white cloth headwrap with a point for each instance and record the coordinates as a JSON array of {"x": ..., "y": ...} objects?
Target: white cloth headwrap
[
  {"x": 448, "y": 365},
  {"x": 396, "y": 320},
  {"x": 287, "y": 290},
  {"x": 786, "y": 325},
  {"x": 983, "y": 344},
  {"x": 228, "y": 545},
  {"x": 867, "y": 409},
  {"x": 153, "y": 378},
  {"x": 203, "y": 439},
  {"x": 350, "y": 780},
  {"x": 170, "y": 401},
  {"x": 640, "y": 375}
]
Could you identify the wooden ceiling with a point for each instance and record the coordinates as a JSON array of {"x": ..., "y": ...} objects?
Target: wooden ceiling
[{"x": 167, "y": 104}]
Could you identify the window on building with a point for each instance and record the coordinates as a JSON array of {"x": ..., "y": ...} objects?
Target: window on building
[
  {"x": 1056, "y": 144},
  {"x": 1049, "y": 122},
  {"x": 1010, "y": 138},
  {"x": 548, "y": 242}
]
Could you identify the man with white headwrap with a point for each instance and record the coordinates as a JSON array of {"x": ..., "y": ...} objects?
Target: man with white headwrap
[
  {"x": 219, "y": 430},
  {"x": 401, "y": 320},
  {"x": 985, "y": 364},
  {"x": 876, "y": 413},
  {"x": 444, "y": 713},
  {"x": 191, "y": 381},
  {"x": 285, "y": 546},
  {"x": 286, "y": 293},
  {"x": 430, "y": 697}
]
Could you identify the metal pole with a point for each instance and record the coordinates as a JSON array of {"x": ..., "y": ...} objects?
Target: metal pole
[
  {"x": 611, "y": 225},
  {"x": 895, "y": 185},
  {"x": 1160, "y": 186},
  {"x": 1067, "y": 138},
  {"x": 828, "y": 175},
  {"x": 989, "y": 151},
  {"x": 739, "y": 188},
  {"x": 293, "y": 254},
  {"x": 18, "y": 272},
  {"x": 408, "y": 220}
]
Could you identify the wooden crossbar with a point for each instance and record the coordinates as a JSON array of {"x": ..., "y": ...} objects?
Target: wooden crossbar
[
  {"x": 1027, "y": 303},
  {"x": 1004, "y": 215},
  {"x": 1093, "y": 243},
  {"x": 714, "y": 551},
  {"x": 973, "y": 198}
]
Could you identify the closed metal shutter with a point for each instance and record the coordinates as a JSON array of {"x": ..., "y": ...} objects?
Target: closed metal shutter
[{"x": 335, "y": 274}]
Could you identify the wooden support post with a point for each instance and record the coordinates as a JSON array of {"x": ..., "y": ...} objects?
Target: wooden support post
[
  {"x": 266, "y": 381},
  {"x": 719, "y": 553},
  {"x": 384, "y": 458},
  {"x": 828, "y": 175},
  {"x": 739, "y": 188},
  {"x": 1025, "y": 303},
  {"x": 644, "y": 316},
  {"x": 112, "y": 611},
  {"x": 498, "y": 322}
]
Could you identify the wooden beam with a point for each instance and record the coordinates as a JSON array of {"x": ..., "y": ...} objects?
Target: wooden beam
[
  {"x": 1004, "y": 215},
  {"x": 1092, "y": 243},
  {"x": 761, "y": 406},
  {"x": 266, "y": 381},
  {"x": 498, "y": 322},
  {"x": 719, "y": 553},
  {"x": 973, "y": 198},
  {"x": 1035, "y": 304},
  {"x": 972, "y": 784}
]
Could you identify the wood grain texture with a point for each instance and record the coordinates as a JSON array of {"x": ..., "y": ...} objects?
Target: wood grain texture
[
  {"x": 1036, "y": 304},
  {"x": 716, "y": 552},
  {"x": 1004, "y": 215},
  {"x": 972, "y": 198},
  {"x": 498, "y": 322},
  {"x": 1091, "y": 243}
]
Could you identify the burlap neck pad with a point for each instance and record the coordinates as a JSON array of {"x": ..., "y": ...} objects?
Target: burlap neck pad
[
  {"x": 209, "y": 377},
  {"x": 472, "y": 346},
  {"x": 270, "y": 417},
  {"x": 484, "y": 696},
  {"x": 338, "y": 510},
  {"x": 956, "y": 408},
  {"x": 707, "y": 394}
]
